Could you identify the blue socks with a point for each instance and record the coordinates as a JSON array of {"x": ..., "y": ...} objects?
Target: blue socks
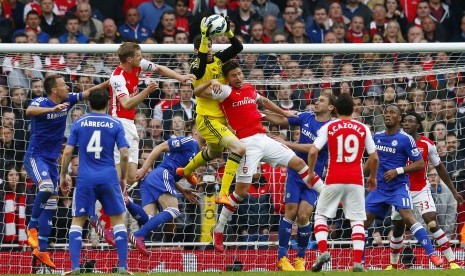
[
  {"x": 137, "y": 212},
  {"x": 284, "y": 235},
  {"x": 303, "y": 236},
  {"x": 121, "y": 240},
  {"x": 75, "y": 245},
  {"x": 37, "y": 207},
  {"x": 422, "y": 237},
  {"x": 155, "y": 222},
  {"x": 46, "y": 222}
]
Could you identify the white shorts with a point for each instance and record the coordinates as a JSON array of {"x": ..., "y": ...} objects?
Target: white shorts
[
  {"x": 421, "y": 200},
  {"x": 130, "y": 132},
  {"x": 352, "y": 197},
  {"x": 260, "y": 147}
]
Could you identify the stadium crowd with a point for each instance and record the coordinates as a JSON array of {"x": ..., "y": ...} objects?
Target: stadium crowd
[{"x": 170, "y": 110}]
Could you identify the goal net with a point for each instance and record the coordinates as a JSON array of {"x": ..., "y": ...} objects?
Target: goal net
[{"x": 426, "y": 78}]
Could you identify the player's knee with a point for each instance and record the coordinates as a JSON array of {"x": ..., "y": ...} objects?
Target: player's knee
[
  {"x": 237, "y": 147},
  {"x": 46, "y": 186},
  {"x": 214, "y": 154},
  {"x": 432, "y": 224},
  {"x": 303, "y": 218},
  {"x": 174, "y": 212}
]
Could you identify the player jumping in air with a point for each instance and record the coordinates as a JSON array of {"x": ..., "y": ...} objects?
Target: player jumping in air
[
  {"x": 395, "y": 148},
  {"x": 96, "y": 135},
  {"x": 239, "y": 100},
  {"x": 300, "y": 200},
  {"x": 421, "y": 195},
  {"x": 347, "y": 139},
  {"x": 210, "y": 120},
  {"x": 48, "y": 122},
  {"x": 160, "y": 187}
]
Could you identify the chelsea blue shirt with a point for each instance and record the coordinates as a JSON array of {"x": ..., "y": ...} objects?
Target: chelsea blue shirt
[
  {"x": 96, "y": 135},
  {"x": 182, "y": 150},
  {"x": 394, "y": 151},
  {"x": 47, "y": 130},
  {"x": 309, "y": 127}
]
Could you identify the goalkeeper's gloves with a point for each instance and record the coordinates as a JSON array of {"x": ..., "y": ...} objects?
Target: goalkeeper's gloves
[
  {"x": 229, "y": 33},
  {"x": 205, "y": 31}
]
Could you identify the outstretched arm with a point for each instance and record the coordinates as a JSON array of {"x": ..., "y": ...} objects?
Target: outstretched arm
[
  {"x": 266, "y": 103},
  {"x": 34, "y": 110},
  {"x": 101, "y": 86},
  {"x": 129, "y": 103},
  {"x": 275, "y": 119},
  {"x": 153, "y": 156}
]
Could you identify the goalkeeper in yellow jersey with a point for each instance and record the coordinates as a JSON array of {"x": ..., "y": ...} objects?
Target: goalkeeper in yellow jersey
[{"x": 210, "y": 120}]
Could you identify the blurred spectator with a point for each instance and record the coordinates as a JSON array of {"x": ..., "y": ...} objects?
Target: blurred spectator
[
  {"x": 339, "y": 30},
  {"x": 110, "y": 9},
  {"x": 184, "y": 18},
  {"x": 440, "y": 13},
  {"x": 9, "y": 120},
  {"x": 33, "y": 23},
  {"x": 110, "y": 32},
  {"x": 243, "y": 18},
  {"x": 316, "y": 31},
  {"x": 11, "y": 150},
  {"x": 19, "y": 77},
  {"x": 355, "y": 8},
  {"x": 446, "y": 205},
  {"x": 181, "y": 37},
  {"x": 438, "y": 131},
  {"x": 290, "y": 16},
  {"x": 335, "y": 15},
  {"x": 89, "y": 26},
  {"x": 74, "y": 114},
  {"x": 6, "y": 26},
  {"x": 269, "y": 26},
  {"x": 449, "y": 107},
  {"x": 63, "y": 218},
  {"x": 155, "y": 129},
  {"x": 423, "y": 11},
  {"x": 132, "y": 29},
  {"x": 151, "y": 12},
  {"x": 50, "y": 22},
  {"x": 433, "y": 115},
  {"x": 356, "y": 32},
  {"x": 454, "y": 159},
  {"x": 15, "y": 10},
  {"x": 394, "y": 11},
  {"x": 372, "y": 111},
  {"x": 265, "y": 8},
  {"x": 460, "y": 37},
  {"x": 256, "y": 33},
  {"x": 379, "y": 23},
  {"x": 393, "y": 33},
  {"x": 186, "y": 106},
  {"x": 433, "y": 31},
  {"x": 166, "y": 27},
  {"x": 19, "y": 102},
  {"x": 73, "y": 63},
  {"x": 178, "y": 126},
  {"x": 170, "y": 97},
  {"x": 14, "y": 207},
  {"x": 72, "y": 31}
]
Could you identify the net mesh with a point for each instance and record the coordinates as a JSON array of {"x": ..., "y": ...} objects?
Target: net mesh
[{"x": 430, "y": 83}]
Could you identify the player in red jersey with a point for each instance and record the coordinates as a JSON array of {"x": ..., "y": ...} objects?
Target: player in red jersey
[
  {"x": 125, "y": 96},
  {"x": 346, "y": 140},
  {"x": 238, "y": 101},
  {"x": 421, "y": 195}
]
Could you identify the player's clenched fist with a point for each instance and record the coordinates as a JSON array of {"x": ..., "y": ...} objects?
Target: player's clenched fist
[
  {"x": 188, "y": 78},
  {"x": 60, "y": 107},
  {"x": 152, "y": 86}
]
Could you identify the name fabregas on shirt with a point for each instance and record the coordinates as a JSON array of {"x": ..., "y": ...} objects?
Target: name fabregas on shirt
[{"x": 89, "y": 123}]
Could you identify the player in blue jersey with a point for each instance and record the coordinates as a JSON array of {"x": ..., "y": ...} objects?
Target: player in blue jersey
[
  {"x": 160, "y": 187},
  {"x": 96, "y": 135},
  {"x": 395, "y": 147},
  {"x": 48, "y": 123},
  {"x": 300, "y": 201}
]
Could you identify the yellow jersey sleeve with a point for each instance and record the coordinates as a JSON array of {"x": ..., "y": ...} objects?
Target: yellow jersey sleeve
[{"x": 205, "y": 106}]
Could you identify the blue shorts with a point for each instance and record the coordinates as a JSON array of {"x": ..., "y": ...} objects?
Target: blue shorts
[
  {"x": 297, "y": 190},
  {"x": 40, "y": 169},
  {"x": 109, "y": 195},
  {"x": 156, "y": 183},
  {"x": 379, "y": 201}
]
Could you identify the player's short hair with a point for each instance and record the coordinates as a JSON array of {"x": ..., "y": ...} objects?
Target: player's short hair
[
  {"x": 399, "y": 110},
  {"x": 98, "y": 100},
  {"x": 417, "y": 116},
  {"x": 50, "y": 82},
  {"x": 197, "y": 40},
  {"x": 344, "y": 105},
  {"x": 229, "y": 66},
  {"x": 127, "y": 50},
  {"x": 330, "y": 96}
]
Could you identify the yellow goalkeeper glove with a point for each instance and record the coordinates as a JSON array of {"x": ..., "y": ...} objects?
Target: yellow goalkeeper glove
[
  {"x": 205, "y": 31},
  {"x": 229, "y": 33}
]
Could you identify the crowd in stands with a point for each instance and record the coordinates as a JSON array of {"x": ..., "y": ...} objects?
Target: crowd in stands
[{"x": 168, "y": 112}]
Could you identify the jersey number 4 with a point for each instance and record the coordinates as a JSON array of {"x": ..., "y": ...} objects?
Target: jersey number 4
[
  {"x": 347, "y": 148},
  {"x": 94, "y": 144}
]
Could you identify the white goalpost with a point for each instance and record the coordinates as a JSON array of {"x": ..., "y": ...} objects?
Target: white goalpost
[{"x": 428, "y": 78}]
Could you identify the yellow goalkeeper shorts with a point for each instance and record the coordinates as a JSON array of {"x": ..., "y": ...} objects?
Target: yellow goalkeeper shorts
[{"x": 213, "y": 130}]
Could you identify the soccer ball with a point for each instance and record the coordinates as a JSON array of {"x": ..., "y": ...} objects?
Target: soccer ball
[{"x": 218, "y": 24}]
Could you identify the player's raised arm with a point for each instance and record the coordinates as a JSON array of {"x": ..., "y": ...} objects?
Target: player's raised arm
[
  {"x": 102, "y": 86},
  {"x": 153, "y": 156},
  {"x": 165, "y": 71},
  {"x": 275, "y": 119},
  {"x": 266, "y": 103},
  {"x": 236, "y": 45}
]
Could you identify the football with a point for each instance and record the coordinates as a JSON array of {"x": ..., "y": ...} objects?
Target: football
[{"x": 218, "y": 24}]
